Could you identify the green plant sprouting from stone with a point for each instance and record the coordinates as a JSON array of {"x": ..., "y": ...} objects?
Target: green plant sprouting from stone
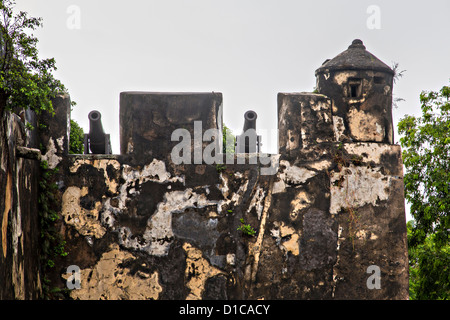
[
  {"x": 220, "y": 168},
  {"x": 246, "y": 229}
]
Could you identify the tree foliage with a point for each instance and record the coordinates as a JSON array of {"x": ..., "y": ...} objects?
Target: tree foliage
[
  {"x": 227, "y": 135},
  {"x": 25, "y": 80},
  {"x": 76, "y": 145},
  {"x": 429, "y": 269},
  {"x": 426, "y": 157}
]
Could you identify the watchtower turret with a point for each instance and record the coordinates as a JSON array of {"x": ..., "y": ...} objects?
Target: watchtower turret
[{"x": 360, "y": 87}]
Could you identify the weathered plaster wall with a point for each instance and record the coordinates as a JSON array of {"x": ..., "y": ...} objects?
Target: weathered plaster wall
[
  {"x": 148, "y": 229},
  {"x": 140, "y": 226},
  {"x": 144, "y": 228},
  {"x": 19, "y": 255}
]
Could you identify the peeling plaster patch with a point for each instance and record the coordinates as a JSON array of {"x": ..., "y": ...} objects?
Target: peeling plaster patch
[
  {"x": 155, "y": 172},
  {"x": 231, "y": 259},
  {"x": 60, "y": 142},
  {"x": 360, "y": 186},
  {"x": 101, "y": 164},
  {"x": 8, "y": 203},
  {"x": 286, "y": 238},
  {"x": 340, "y": 239},
  {"x": 156, "y": 168},
  {"x": 304, "y": 135},
  {"x": 294, "y": 174},
  {"x": 302, "y": 201},
  {"x": 159, "y": 227},
  {"x": 107, "y": 280},
  {"x": 279, "y": 187},
  {"x": 342, "y": 77},
  {"x": 130, "y": 146},
  {"x": 338, "y": 127},
  {"x": 318, "y": 106},
  {"x": 319, "y": 165},
  {"x": 18, "y": 277},
  {"x": 86, "y": 222},
  {"x": 291, "y": 245},
  {"x": 379, "y": 128},
  {"x": 108, "y": 213},
  {"x": 16, "y": 219},
  {"x": 2, "y": 158},
  {"x": 364, "y": 125},
  {"x": 159, "y": 235},
  {"x": 224, "y": 186},
  {"x": 365, "y": 235},
  {"x": 238, "y": 175},
  {"x": 235, "y": 197},
  {"x": 198, "y": 270},
  {"x": 361, "y": 234},
  {"x": 293, "y": 140},
  {"x": 257, "y": 202},
  {"x": 50, "y": 156},
  {"x": 370, "y": 151}
]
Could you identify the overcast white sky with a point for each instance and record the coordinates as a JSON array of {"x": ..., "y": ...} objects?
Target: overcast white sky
[{"x": 247, "y": 49}]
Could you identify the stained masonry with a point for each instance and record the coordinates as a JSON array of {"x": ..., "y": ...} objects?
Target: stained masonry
[{"x": 141, "y": 227}]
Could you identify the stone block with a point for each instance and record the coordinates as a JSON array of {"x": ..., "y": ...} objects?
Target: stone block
[
  {"x": 304, "y": 119},
  {"x": 55, "y": 137},
  {"x": 148, "y": 119}
]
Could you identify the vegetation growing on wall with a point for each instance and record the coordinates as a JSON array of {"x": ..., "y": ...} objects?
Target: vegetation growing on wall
[
  {"x": 52, "y": 244},
  {"x": 246, "y": 228}
]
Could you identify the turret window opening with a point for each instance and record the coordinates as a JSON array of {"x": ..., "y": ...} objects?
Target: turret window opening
[{"x": 354, "y": 88}]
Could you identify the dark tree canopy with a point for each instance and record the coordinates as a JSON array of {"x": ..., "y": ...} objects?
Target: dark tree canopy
[{"x": 25, "y": 80}]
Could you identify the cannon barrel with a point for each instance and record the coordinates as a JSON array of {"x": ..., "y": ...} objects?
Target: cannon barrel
[
  {"x": 250, "y": 120},
  {"x": 96, "y": 141},
  {"x": 248, "y": 141}
]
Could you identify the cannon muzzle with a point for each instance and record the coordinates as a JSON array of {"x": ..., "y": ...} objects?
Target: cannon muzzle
[
  {"x": 248, "y": 141},
  {"x": 96, "y": 141},
  {"x": 250, "y": 120}
]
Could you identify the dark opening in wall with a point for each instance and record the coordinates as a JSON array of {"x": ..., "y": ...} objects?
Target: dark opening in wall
[{"x": 354, "y": 89}]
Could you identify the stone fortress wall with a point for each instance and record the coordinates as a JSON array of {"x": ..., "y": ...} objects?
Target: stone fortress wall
[{"x": 327, "y": 210}]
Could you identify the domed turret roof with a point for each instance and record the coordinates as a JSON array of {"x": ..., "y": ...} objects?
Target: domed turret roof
[{"x": 356, "y": 57}]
